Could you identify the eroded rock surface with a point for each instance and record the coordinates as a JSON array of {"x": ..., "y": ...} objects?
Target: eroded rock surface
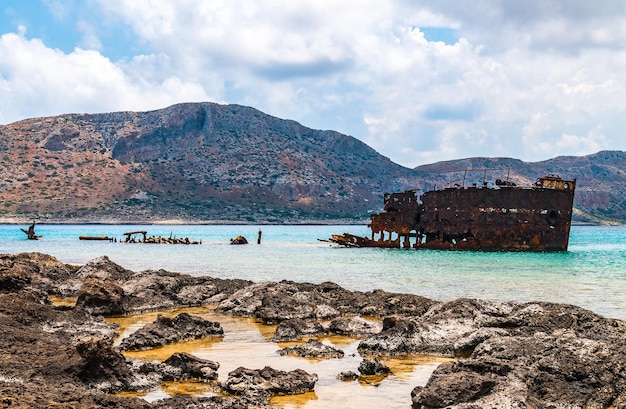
[
  {"x": 102, "y": 297},
  {"x": 518, "y": 355},
  {"x": 167, "y": 330},
  {"x": 353, "y": 327},
  {"x": 556, "y": 370},
  {"x": 189, "y": 366},
  {"x": 373, "y": 367},
  {"x": 180, "y": 366},
  {"x": 268, "y": 382},
  {"x": 313, "y": 349},
  {"x": 511, "y": 355},
  {"x": 296, "y": 328},
  {"x": 276, "y": 302}
]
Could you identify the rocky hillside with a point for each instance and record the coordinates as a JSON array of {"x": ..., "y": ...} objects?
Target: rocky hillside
[
  {"x": 230, "y": 163},
  {"x": 192, "y": 162}
]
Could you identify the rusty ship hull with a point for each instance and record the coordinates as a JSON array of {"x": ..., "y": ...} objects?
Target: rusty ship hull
[{"x": 501, "y": 218}]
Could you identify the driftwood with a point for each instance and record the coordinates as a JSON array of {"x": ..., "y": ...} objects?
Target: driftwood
[{"x": 103, "y": 238}]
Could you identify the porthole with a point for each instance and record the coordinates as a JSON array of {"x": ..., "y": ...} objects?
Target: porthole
[{"x": 553, "y": 217}]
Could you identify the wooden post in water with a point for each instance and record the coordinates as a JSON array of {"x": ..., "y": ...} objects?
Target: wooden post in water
[{"x": 258, "y": 240}]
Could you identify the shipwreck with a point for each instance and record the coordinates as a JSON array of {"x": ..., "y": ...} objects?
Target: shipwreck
[{"x": 493, "y": 217}]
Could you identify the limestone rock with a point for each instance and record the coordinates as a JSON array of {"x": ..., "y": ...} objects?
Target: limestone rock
[
  {"x": 187, "y": 366},
  {"x": 102, "y": 367},
  {"x": 102, "y": 268},
  {"x": 347, "y": 376},
  {"x": 295, "y": 328},
  {"x": 373, "y": 367},
  {"x": 102, "y": 297},
  {"x": 352, "y": 327},
  {"x": 268, "y": 382},
  {"x": 276, "y": 302}
]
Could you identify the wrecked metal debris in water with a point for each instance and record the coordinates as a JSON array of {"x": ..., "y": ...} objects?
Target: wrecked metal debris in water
[{"x": 503, "y": 217}]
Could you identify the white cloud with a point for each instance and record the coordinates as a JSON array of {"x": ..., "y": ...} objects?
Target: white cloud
[
  {"x": 528, "y": 79},
  {"x": 90, "y": 39},
  {"x": 38, "y": 81}
]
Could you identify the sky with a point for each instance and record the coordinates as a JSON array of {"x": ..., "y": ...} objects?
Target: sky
[{"x": 419, "y": 81}]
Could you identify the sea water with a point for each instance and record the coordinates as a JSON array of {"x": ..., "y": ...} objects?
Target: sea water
[{"x": 591, "y": 274}]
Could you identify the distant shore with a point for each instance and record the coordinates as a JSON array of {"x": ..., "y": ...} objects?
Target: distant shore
[
  {"x": 173, "y": 222},
  {"x": 179, "y": 222}
]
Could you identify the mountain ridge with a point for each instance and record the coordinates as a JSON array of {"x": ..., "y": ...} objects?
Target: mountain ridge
[{"x": 206, "y": 162}]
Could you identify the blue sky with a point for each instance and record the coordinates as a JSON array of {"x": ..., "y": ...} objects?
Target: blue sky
[{"x": 419, "y": 81}]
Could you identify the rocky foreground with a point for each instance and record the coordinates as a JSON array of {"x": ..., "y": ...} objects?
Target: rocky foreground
[{"x": 512, "y": 355}]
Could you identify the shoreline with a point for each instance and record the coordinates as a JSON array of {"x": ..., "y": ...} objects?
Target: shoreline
[
  {"x": 173, "y": 222},
  {"x": 13, "y": 220},
  {"x": 494, "y": 346}
]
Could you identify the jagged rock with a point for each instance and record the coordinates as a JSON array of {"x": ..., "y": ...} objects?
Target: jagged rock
[
  {"x": 286, "y": 301},
  {"x": 347, "y": 376},
  {"x": 559, "y": 370},
  {"x": 533, "y": 355},
  {"x": 275, "y": 302},
  {"x": 245, "y": 301},
  {"x": 239, "y": 240},
  {"x": 268, "y": 382},
  {"x": 166, "y": 330},
  {"x": 212, "y": 402},
  {"x": 295, "y": 328},
  {"x": 151, "y": 290},
  {"x": 102, "y": 297},
  {"x": 13, "y": 281},
  {"x": 102, "y": 268},
  {"x": 381, "y": 303},
  {"x": 312, "y": 349},
  {"x": 373, "y": 367},
  {"x": 186, "y": 366},
  {"x": 453, "y": 328},
  {"x": 325, "y": 312},
  {"x": 351, "y": 327},
  {"x": 41, "y": 271},
  {"x": 102, "y": 367}
]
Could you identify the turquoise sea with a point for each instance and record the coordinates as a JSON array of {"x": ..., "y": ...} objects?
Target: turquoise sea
[{"x": 591, "y": 274}]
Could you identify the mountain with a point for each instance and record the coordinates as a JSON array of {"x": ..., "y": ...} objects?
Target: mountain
[
  {"x": 206, "y": 162},
  {"x": 190, "y": 161}
]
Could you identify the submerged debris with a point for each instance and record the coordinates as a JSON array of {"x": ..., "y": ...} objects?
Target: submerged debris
[
  {"x": 239, "y": 240},
  {"x": 30, "y": 233},
  {"x": 131, "y": 237}
]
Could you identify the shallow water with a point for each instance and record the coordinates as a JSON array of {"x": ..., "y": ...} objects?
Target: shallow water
[
  {"x": 246, "y": 343},
  {"x": 591, "y": 274}
]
